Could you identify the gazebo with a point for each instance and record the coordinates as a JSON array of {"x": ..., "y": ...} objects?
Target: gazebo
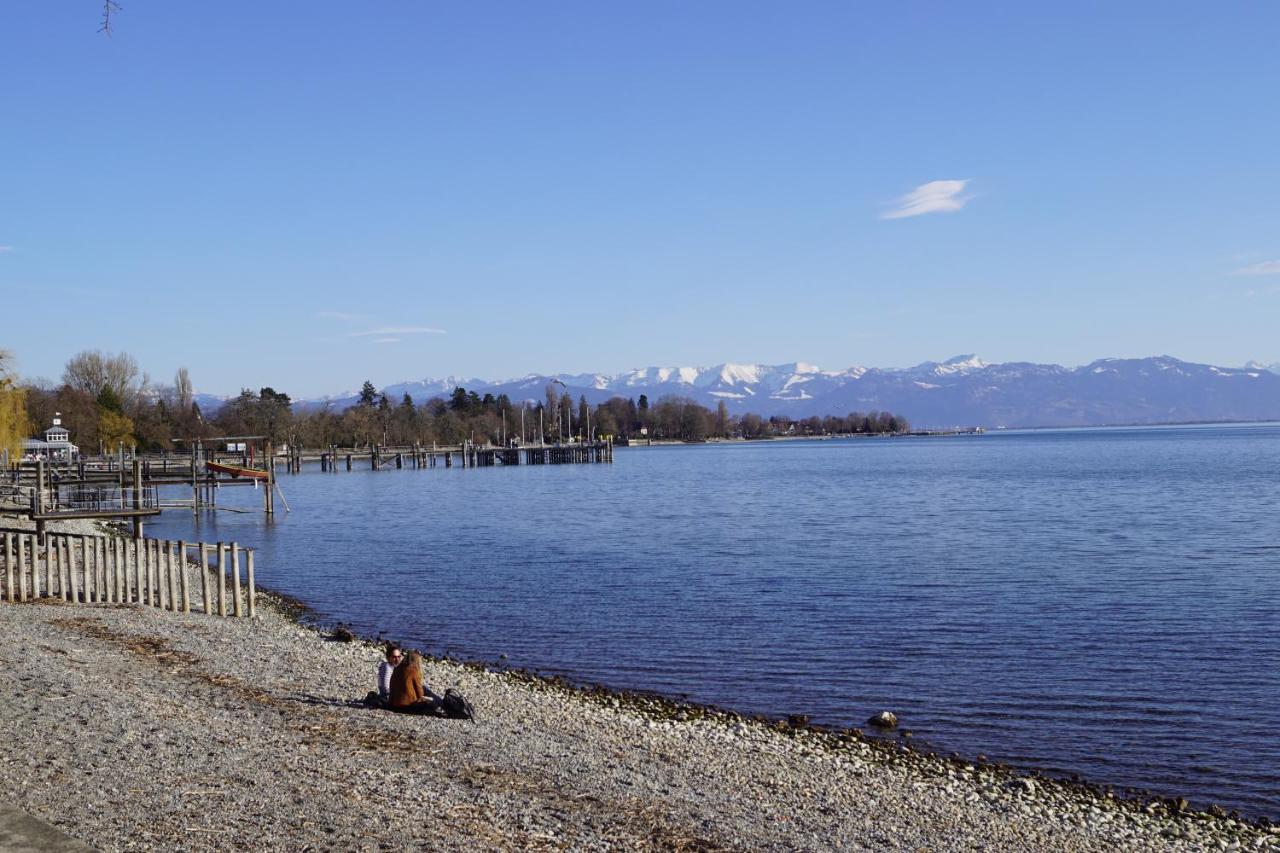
[{"x": 56, "y": 444}]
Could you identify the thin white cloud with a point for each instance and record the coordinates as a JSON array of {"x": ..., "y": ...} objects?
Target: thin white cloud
[
  {"x": 4, "y": 249},
  {"x": 339, "y": 315},
  {"x": 1260, "y": 268},
  {"x": 383, "y": 331},
  {"x": 386, "y": 340},
  {"x": 933, "y": 197}
]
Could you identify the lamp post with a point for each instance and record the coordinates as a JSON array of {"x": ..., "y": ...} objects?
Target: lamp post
[{"x": 568, "y": 422}]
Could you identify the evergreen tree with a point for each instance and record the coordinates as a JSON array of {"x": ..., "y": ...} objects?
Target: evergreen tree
[
  {"x": 458, "y": 400},
  {"x": 368, "y": 394}
]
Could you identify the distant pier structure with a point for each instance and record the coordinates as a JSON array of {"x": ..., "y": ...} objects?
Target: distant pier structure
[
  {"x": 465, "y": 455},
  {"x": 125, "y": 486}
]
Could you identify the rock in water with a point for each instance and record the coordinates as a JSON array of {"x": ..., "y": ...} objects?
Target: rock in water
[
  {"x": 343, "y": 634},
  {"x": 884, "y": 720}
]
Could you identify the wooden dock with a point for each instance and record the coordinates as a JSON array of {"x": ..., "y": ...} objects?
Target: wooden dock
[
  {"x": 463, "y": 456},
  {"x": 127, "y": 487}
]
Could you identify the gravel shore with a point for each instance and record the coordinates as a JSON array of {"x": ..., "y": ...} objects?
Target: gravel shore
[{"x": 133, "y": 728}]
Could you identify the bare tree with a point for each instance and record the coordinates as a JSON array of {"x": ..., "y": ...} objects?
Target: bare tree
[
  {"x": 93, "y": 371},
  {"x": 182, "y": 390}
]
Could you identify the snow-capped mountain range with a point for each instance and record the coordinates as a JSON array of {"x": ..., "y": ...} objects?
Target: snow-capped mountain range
[{"x": 964, "y": 390}]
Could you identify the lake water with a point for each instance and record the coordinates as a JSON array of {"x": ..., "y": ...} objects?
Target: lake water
[{"x": 1100, "y": 602}]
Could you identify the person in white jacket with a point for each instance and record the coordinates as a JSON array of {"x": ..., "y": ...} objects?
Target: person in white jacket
[{"x": 382, "y": 696}]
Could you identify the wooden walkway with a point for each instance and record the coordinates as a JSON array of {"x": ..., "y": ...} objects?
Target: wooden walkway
[{"x": 466, "y": 456}]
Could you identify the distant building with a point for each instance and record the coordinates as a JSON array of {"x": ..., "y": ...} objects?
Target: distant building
[{"x": 56, "y": 444}]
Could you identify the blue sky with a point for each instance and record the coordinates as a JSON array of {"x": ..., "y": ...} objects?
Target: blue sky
[{"x": 308, "y": 196}]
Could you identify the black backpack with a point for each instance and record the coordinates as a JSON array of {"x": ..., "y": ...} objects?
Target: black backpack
[{"x": 456, "y": 706}]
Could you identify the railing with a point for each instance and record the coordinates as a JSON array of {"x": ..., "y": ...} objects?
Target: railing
[
  {"x": 105, "y": 498},
  {"x": 177, "y": 576}
]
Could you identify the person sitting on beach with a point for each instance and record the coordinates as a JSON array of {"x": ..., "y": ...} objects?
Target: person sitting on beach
[
  {"x": 380, "y": 697},
  {"x": 385, "y": 670},
  {"x": 409, "y": 694}
]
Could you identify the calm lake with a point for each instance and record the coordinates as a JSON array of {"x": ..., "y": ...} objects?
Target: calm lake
[{"x": 1102, "y": 602}]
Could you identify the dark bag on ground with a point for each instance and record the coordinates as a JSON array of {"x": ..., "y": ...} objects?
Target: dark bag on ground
[{"x": 456, "y": 706}]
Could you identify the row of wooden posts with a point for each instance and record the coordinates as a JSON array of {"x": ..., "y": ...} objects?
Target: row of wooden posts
[
  {"x": 469, "y": 456},
  {"x": 116, "y": 570}
]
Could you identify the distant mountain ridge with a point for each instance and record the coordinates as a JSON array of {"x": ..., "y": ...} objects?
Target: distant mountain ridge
[{"x": 964, "y": 390}]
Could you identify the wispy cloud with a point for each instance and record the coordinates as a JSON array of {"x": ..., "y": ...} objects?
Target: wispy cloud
[
  {"x": 383, "y": 331},
  {"x": 386, "y": 340},
  {"x": 1260, "y": 268},
  {"x": 4, "y": 249},
  {"x": 933, "y": 197},
  {"x": 339, "y": 315}
]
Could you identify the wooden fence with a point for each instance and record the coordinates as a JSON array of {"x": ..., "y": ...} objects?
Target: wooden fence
[{"x": 177, "y": 576}]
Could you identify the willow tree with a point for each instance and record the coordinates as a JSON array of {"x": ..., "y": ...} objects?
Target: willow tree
[{"x": 13, "y": 412}]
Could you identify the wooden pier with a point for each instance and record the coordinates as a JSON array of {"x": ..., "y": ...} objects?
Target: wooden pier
[
  {"x": 464, "y": 456},
  {"x": 127, "y": 488}
]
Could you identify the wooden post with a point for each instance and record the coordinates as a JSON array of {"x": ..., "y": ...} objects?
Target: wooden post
[
  {"x": 109, "y": 569},
  {"x": 8, "y": 566},
  {"x": 122, "y": 571},
  {"x": 99, "y": 567},
  {"x": 204, "y": 577},
  {"x": 266, "y": 492},
  {"x": 99, "y": 558},
  {"x": 49, "y": 565},
  {"x": 84, "y": 561},
  {"x": 82, "y": 594},
  {"x": 222, "y": 580},
  {"x": 182, "y": 576},
  {"x": 170, "y": 576},
  {"x": 64, "y": 565},
  {"x": 155, "y": 573},
  {"x": 22, "y": 566},
  {"x": 55, "y": 557},
  {"x": 144, "y": 571},
  {"x": 35, "y": 565},
  {"x": 235, "y": 572},
  {"x": 122, "y": 556},
  {"x": 104, "y": 579},
  {"x": 253, "y": 610},
  {"x": 175, "y": 569},
  {"x": 162, "y": 572},
  {"x": 137, "y": 497},
  {"x": 131, "y": 571}
]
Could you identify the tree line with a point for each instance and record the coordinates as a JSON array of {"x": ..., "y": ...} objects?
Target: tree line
[{"x": 106, "y": 402}]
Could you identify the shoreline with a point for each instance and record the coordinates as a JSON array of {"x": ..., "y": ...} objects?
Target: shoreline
[
  {"x": 1176, "y": 813},
  {"x": 896, "y": 743},
  {"x": 263, "y": 712}
]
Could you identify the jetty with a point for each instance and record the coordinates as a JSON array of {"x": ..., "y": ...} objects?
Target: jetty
[
  {"x": 467, "y": 455},
  {"x": 128, "y": 487}
]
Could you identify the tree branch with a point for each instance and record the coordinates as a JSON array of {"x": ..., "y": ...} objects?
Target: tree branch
[{"x": 108, "y": 7}]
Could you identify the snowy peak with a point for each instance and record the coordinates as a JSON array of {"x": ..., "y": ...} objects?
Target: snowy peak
[
  {"x": 961, "y": 390},
  {"x": 960, "y": 364}
]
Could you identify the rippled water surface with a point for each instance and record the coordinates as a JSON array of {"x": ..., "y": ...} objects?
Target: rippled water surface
[{"x": 1102, "y": 602}]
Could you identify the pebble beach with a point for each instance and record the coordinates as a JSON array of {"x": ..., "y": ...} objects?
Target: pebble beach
[{"x": 131, "y": 728}]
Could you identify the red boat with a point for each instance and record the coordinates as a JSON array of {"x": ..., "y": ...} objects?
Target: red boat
[{"x": 237, "y": 471}]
